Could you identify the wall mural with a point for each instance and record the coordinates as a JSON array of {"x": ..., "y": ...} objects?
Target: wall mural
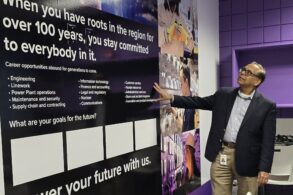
[
  {"x": 178, "y": 60},
  {"x": 79, "y": 114}
]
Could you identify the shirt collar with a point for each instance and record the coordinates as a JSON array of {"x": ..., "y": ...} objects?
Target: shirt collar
[{"x": 244, "y": 96}]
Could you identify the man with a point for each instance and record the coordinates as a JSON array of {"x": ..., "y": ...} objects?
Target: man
[
  {"x": 185, "y": 122},
  {"x": 188, "y": 115},
  {"x": 191, "y": 168},
  {"x": 241, "y": 139},
  {"x": 190, "y": 178}
]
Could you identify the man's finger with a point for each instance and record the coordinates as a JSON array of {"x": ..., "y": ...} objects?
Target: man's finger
[
  {"x": 157, "y": 88},
  {"x": 262, "y": 180}
]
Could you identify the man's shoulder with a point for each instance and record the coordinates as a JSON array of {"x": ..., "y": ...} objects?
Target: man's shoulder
[{"x": 265, "y": 99}]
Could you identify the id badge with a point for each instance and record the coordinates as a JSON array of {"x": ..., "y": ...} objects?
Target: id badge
[{"x": 223, "y": 159}]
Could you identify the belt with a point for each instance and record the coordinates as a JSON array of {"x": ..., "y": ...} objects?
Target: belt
[{"x": 229, "y": 144}]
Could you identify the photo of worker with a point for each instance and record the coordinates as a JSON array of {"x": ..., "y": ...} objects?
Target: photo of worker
[
  {"x": 181, "y": 163},
  {"x": 179, "y": 76}
]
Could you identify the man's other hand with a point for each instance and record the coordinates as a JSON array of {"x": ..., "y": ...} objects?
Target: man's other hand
[
  {"x": 262, "y": 178},
  {"x": 164, "y": 95}
]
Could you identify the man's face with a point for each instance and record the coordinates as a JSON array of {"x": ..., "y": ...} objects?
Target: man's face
[{"x": 248, "y": 76}]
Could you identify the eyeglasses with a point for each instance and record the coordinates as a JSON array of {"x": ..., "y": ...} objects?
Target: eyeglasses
[{"x": 247, "y": 72}]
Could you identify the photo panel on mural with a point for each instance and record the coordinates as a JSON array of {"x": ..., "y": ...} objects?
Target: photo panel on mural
[
  {"x": 178, "y": 62},
  {"x": 180, "y": 134},
  {"x": 180, "y": 162},
  {"x": 178, "y": 28},
  {"x": 179, "y": 76}
]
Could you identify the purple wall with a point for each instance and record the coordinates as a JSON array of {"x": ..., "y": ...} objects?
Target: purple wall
[{"x": 253, "y": 23}]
